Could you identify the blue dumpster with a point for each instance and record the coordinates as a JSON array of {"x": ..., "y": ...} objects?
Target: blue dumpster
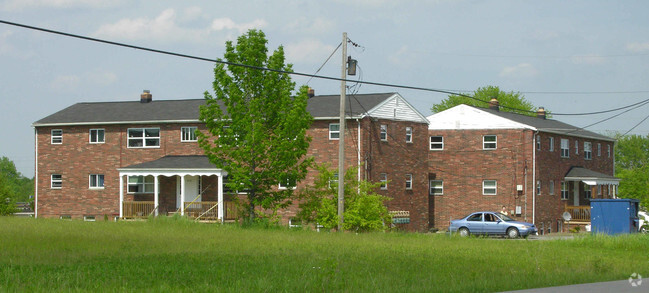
[{"x": 614, "y": 216}]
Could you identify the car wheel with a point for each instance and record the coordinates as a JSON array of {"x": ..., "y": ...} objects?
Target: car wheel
[
  {"x": 643, "y": 230},
  {"x": 464, "y": 232},
  {"x": 512, "y": 233}
]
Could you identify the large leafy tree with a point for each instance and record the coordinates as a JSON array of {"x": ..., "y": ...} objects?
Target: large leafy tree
[
  {"x": 632, "y": 167},
  {"x": 509, "y": 101},
  {"x": 18, "y": 186},
  {"x": 257, "y": 124}
]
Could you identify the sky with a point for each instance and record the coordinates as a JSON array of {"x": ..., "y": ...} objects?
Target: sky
[{"x": 567, "y": 56}]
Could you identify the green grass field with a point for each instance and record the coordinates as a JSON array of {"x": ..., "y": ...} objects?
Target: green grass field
[{"x": 179, "y": 255}]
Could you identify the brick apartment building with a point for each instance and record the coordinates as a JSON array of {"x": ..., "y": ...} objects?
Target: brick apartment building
[
  {"x": 140, "y": 158},
  {"x": 534, "y": 167}
]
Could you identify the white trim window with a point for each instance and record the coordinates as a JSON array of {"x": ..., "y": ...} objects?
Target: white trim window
[
  {"x": 436, "y": 187},
  {"x": 409, "y": 134},
  {"x": 287, "y": 183},
  {"x": 489, "y": 142},
  {"x": 57, "y": 136},
  {"x": 551, "y": 144},
  {"x": 333, "y": 180},
  {"x": 599, "y": 149},
  {"x": 384, "y": 181},
  {"x": 97, "y": 135},
  {"x": 408, "y": 181},
  {"x": 56, "y": 181},
  {"x": 384, "y": 132},
  {"x": 538, "y": 187},
  {"x": 587, "y": 192},
  {"x": 564, "y": 190},
  {"x": 436, "y": 143},
  {"x": 538, "y": 142},
  {"x": 576, "y": 147},
  {"x": 144, "y": 137},
  {"x": 140, "y": 184},
  {"x": 565, "y": 148},
  {"x": 551, "y": 186},
  {"x": 334, "y": 131},
  {"x": 588, "y": 150},
  {"x": 608, "y": 151},
  {"x": 96, "y": 181},
  {"x": 188, "y": 134},
  {"x": 489, "y": 187}
]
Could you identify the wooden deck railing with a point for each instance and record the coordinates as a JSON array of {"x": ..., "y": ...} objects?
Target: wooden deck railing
[
  {"x": 137, "y": 209},
  {"x": 579, "y": 213}
]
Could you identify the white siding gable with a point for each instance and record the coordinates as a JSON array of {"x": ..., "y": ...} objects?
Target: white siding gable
[
  {"x": 396, "y": 108},
  {"x": 467, "y": 117}
]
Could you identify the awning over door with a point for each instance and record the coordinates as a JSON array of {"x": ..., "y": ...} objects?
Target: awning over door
[{"x": 590, "y": 177}]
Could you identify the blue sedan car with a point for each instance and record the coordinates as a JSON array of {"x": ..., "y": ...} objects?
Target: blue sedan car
[{"x": 491, "y": 223}]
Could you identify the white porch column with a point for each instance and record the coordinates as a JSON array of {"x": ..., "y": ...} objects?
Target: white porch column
[
  {"x": 121, "y": 196},
  {"x": 220, "y": 203},
  {"x": 156, "y": 191},
  {"x": 576, "y": 193},
  {"x": 182, "y": 195}
]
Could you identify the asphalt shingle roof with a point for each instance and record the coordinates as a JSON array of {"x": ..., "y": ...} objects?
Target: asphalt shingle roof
[{"x": 581, "y": 172}]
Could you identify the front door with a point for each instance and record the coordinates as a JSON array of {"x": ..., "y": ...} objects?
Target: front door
[{"x": 191, "y": 190}]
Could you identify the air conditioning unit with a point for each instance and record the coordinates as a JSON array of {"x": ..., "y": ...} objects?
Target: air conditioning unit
[{"x": 519, "y": 187}]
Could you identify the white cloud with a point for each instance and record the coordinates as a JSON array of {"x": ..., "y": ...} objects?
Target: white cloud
[
  {"x": 192, "y": 13},
  {"x": 308, "y": 51},
  {"x": 638, "y": 47},
  {"x": 519, "y": 70},
  {"x": 590, "y": 59},
  {"x": 72, "y": 82},
  {"x": 226, "y": 23},
  {"x": 17, "y": 5}
]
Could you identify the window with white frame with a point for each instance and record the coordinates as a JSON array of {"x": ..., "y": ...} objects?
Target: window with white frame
[
  {"x": 551, "y": 187},
  {"x": 587, "y": 192},
  {"x": 489, "y": 187},
  {"x": 334, "y": 131},
  {"x": 140, "y": 184},
  {"x": 144, "y": 137},
  {"x": 287, "y": 183},
  {"x": 588, "y": 150},
  {"x": 384, "y": 132},
  {"x": 57, "y": 136},
  {"x": 96, "y": 181},
  {"x": 565, "y": 148},
  {"x": 564, "y": 190},
  {"x": 599, "y": 149},
  {"x": 551, "y": 144},
  {"x": 436, "y": 187},
  {"x": 576, "y": 147},
  {"x": 188, "y": 134},
  {"x": 97, "y": 135},
  {"x": 608, "y": 151},
  {"x": 489, "y": 142},
  {"x": 56, "y": 181},
  {"x": 408, "y": 134},
  {"x": 408, "y": 181},
  {"x": 599, "y": 189},
  {"x": 384, "y": 181},
  {"x": 436, "y": 143},
  {"x": 333, "y": 180},
  {"x": 538, "y": 187},
  {"x": 538, "y": 142}
]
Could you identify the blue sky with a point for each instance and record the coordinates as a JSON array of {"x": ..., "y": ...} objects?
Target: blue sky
[{"x": 568, "y": 56}]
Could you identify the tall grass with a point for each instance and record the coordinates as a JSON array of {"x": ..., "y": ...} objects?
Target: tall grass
[{"x": 180, "y": 255}]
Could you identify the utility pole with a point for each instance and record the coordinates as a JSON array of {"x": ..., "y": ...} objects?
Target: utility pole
[{"x": 341, "y": 142}]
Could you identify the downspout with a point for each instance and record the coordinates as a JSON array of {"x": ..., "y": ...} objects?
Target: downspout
[
  {"x": 36, "y": 172},
  {"x": 358, "y": 122},
  {"x": 534, "y": 177}
]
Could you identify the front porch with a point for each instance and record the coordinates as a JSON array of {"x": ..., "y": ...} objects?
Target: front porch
[
  {"x": 580, "y": 186},
  {"x": 204, "y": 210}
]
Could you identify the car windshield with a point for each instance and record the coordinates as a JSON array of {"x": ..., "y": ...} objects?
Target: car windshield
[{"x": 505, "y": 218}]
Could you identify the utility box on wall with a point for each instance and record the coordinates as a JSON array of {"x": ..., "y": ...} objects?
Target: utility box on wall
[{"x": 614, "y": 216}]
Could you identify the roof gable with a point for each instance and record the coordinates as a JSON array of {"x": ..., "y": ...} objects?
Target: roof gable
[
  {"x": 466, "y": 117},
  {"x": 396, "y": 108}
]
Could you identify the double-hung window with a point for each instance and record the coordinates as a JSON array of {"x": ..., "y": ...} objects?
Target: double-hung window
[
  {"x": 408, "y": 134},
  {"x": 551, "y": 187},
  {"x": 140, "y": 184},
  {"x": 608, "y": 151},
  {"x": 408, "y": 181},
  {"x": 384, "y": 181},
  {"x": 565, "y": 148},
  {"x": 334, "y": 131},
  {"x": 96, "y": 181},
  {"x": 576, "y": 147},
  {"x": 551, "y": 144},
  {"x": 588, "y": 150},
  {"x": 538, "y": 142},
  {"x": 564, "y": 190},
  {"x": 489, "y": 142},
  {"x": 436, "y": 187},
  {"x": 599, "y": 149},
  {"x": 538, "y": 187},
  {"x": 188, "y": 134},
  {"x": 384, "y": 132},
  {"x": 144, "y": 137},
  {"x": 57, "y": 136},
  {"x": 489, "y": 187},
  {"x": 436, "y": 143},
  {"x": 56, "y": 181},
  {"x": 97, "y": 135}
]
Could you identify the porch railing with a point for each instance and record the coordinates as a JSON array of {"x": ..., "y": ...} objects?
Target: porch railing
[
  {"x": 579, "y": 213},
  {"x": 137, "y": 209}
]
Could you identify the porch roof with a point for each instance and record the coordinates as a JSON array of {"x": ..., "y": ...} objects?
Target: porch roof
[
  {"x": 174, "y": 165},
  {"x": 590, "y": 177}
]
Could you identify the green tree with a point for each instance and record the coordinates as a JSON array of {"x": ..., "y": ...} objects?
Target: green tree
[
  {"x": 365, "y": 210},
  {"x": 7, "y": 200},
  {"x": 508, "y": 101},
  {"x": 257, "y": 127},
  {"x": 18, "y": 186},
  {"x": 632, "y": 167}
]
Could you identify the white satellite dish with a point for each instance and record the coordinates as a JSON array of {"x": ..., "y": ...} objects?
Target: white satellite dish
[{"x": 567, "y": 216}]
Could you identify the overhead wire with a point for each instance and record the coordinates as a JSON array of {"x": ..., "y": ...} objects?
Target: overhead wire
[{"x": 323, "y": 64}]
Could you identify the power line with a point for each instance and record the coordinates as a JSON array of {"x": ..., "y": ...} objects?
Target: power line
[
  {"x": 323, "y": 64},
  {"x": 632, "y": 128},
  {"x": 443, "y": 91}
]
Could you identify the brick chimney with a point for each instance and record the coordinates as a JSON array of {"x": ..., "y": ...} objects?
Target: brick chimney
[
  {"x": 541, "y": 113},
  {"x": 311, "y": 93},
  {"x": 146, "y": 97},
  {"x": 494, "y": 104}
]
